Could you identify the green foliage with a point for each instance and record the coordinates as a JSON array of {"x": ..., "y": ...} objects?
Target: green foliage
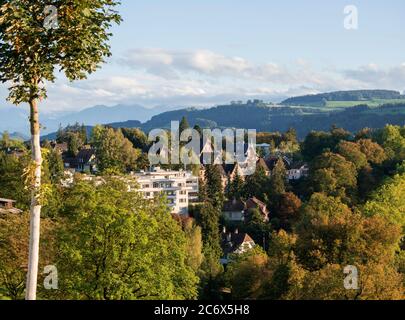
[
  {"x": 12, "y": 180},
  {"x": 329, "y": 236},
  {"x": 392, "y": 138},
  {"x": 184, "y": 124},
  {"x": 256, "y": 228},
  {"x": 214, "y": 189},
  {"x": 343, "y": 96},
  {"x": 278, "y": 179},
  {"x": 288, "y": 210},
  {"x": 7, "y": 143},
  {"x": 235, "y": 187},
  {"x": 352, "y": 152},
  {"x": 389, "y": 201},
  {"x": 115, "y": 245},
  {"x": 193, "y": 235},
  {"x": 278, "y": 119},
  {"x": 113, "y": 150},
  {"x": 137, "y": 137},
  {"x": 256, "y": 185},
  {"x": 247, "y": 273},
  {"x": 377, "y": 282},
  {"x": 329, "y": 232},
  {"x": 333, "y": 174},
  {"x": 54, "y": 165},
  {"x": 318, "y": 142},
  {"x": 208, "y": 219},
  {"x": 374, "y": 152},
  {"x": 30, "y": 53},
  {"x": 14, "y": 239}
]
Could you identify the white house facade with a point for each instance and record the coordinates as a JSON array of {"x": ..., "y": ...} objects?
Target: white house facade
[{"x": 180, "y": 187}]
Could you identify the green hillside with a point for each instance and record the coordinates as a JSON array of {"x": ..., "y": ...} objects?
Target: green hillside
[
  {"x": 371, "y": 103},
  {"x": 344, "y": 99}
]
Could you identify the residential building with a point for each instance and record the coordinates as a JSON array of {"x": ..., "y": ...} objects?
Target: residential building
[
  {"x": 60, "y": 147},
  {"x": 264, "y": 149},
  {"x": 85, "y": 161},
  {"x": 236, "y": 210},
  {"x": 298, "y": 172},
  {"x": 7, "y": 206},
  {"x": 235, "y": 243},
  {"x": 254, "y": 203},
  {"x": 180, "y": 187},
  {"x": 261, "y": 164}
]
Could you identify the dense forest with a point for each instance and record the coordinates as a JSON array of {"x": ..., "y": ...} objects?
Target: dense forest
[
  {"x": 110, "y": 243},
  {"x": 353, "y": 95},
  {"x": 280, "y": 118}
]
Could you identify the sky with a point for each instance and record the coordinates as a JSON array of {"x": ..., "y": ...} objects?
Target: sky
[{"x": 208, "y": 52}]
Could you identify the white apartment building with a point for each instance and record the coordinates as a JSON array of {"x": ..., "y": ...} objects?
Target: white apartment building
[
  {"x": 180, "y": 187},
  {"x": 298, "y": 172}
]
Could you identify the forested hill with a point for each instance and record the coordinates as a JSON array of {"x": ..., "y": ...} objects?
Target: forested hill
[
  {"x": 354, "y": 95},
  {"x": 281, "y": 118},
  {"x": 385, "y": 107}
]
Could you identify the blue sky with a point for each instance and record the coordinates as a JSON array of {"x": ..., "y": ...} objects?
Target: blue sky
[
  {"x": 206, "y": 52},
  {"x": 264, "y": 30}
]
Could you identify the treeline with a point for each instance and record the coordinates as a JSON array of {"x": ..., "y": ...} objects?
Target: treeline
[
  {"x": 109, "y": 243},
  {"x": 265, "y": 118},
  {"x": 272, "y": 118},
  {"x": 353, "y": 95},
  {"x": 348, "y": 212}
]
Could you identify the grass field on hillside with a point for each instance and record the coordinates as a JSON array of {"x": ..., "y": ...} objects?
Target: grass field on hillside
[{"x": 371, "y": 103}]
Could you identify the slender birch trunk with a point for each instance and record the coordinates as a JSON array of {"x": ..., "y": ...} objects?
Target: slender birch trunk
[{"x": 35, "y": 210}]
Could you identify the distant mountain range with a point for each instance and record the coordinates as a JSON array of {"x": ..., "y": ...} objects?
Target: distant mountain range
[
  {"x": 19, "y": 136},
  {"x": 15, "y": 119},
  {"x": 365, "y": 108}
]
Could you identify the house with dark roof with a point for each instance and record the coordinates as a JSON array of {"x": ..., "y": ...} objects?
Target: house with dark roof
[
  {"x": 85, "y": 161},
  {"x": 264, "y": 149},
  {"x": 61, "y": 148},
  {"x": 7, "y": 206},
  {"x": 261, "y": 164},
  {"x": 236, "y": 210},
  {"x": 230, "y": 171},
  {"x": 298, "y": 171},
  {"x": 254, "y": 203},
  {"x": 235, "y": 243}
]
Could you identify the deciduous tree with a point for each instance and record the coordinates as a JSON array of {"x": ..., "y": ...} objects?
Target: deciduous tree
[
  {"x": 116, "y": 245},
  {"x": 29, "y": 54}
]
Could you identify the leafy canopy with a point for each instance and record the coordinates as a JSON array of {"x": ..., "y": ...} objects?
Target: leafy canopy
[
  {"x": 114, "y": 245},
  {"x": 30, "y": 53}
]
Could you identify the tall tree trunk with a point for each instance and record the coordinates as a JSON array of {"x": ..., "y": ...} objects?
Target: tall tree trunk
[{"x": 35, "y": 210}]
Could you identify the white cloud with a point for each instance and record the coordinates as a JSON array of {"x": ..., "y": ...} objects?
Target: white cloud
[
  {"x": 171, "y": 63},
  {"x": 375, "y": 76},
  {"x": 202, "y": 77}
]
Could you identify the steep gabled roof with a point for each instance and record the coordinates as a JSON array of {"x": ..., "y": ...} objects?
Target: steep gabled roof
[
  {"x": 234, "y": 206},
  {"x": 261, "y": 163},
  {"x": 232, "y": 241},
  {"x": 254, "y": 203}
]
